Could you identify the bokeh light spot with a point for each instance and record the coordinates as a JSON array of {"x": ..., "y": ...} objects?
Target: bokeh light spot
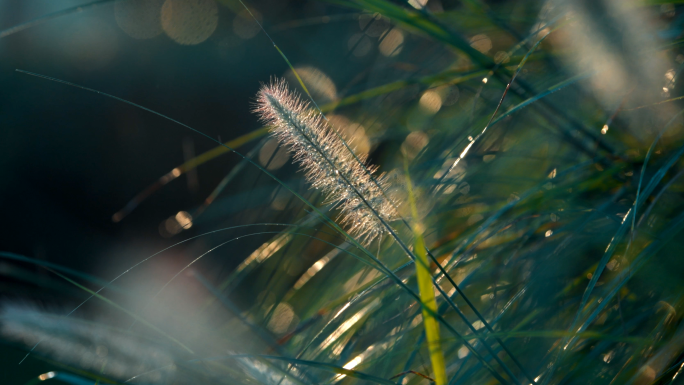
[
  {"x": 319, "y": 84},
  {"x": 481, "y": 43},
  {"x": 189, "y": 22},
  {"x": 413, "y": 143},
  {"x": 140, "y": 19},
  {"x": 430, "y": 102},
  {"x": 271, "y": 156},
  {"x": 392, "y": 43},
  {"x": 418, "y": 4},
  {"x": 283, "y": 316},
  {"x": 245, "y": 26}
]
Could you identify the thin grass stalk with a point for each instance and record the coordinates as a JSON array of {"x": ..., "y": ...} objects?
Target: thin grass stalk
[{"x": 427, "y": 294}]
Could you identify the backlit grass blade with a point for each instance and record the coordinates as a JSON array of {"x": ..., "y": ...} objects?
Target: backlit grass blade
[{"x": 427, "y": 293}]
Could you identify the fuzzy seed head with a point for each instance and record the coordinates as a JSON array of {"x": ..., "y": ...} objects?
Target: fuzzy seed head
[
  {"x": 85, "y": 345},
  {"x": 329, "y": 165}
]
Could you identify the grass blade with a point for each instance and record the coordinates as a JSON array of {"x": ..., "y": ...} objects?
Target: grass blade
[{"x": 427, "y": 293}]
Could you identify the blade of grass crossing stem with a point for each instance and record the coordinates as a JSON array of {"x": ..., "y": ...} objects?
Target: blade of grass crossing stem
[{"x": 427, "y": 293}]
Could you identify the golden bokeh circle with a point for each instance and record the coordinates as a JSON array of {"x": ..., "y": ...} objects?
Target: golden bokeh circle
[{"x": 189, "y": 22}]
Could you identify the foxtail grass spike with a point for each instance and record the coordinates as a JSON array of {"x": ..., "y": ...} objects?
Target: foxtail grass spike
[
  {"x": 85, "y": 345},
  {"x": 329, "y": 164}
]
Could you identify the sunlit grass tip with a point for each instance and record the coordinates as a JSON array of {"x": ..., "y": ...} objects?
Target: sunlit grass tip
[{"x": 329, "y": 164}]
